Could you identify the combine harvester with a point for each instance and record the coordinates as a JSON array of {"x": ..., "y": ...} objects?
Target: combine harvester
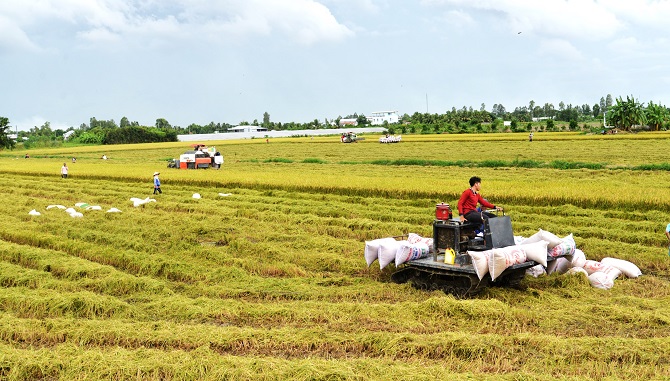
[
  {"x": 201, "y": 157},
  {"x": 350, "y": 137}
]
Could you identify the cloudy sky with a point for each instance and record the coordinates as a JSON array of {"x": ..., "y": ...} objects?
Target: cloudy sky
[{"x": 197, "y": 61}]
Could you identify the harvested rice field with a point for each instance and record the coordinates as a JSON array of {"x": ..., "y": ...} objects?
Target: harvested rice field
[{"x": 263, "y": 277}]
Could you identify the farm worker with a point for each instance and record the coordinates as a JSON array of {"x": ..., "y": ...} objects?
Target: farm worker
[
  {"x": 667, "y": 234},
  {"x": 157, "y": 183},
  {"x": 467, "y": 204},
  {"x": 63, "y": 171},
  {"x": 530, "y": 137},
  {"x": 104, "y": 157}
]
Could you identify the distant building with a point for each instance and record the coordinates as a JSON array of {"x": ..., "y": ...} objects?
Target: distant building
[
  {"x": 67, "y": 135},
  {"x": 349, "y": 122},
  {"x": 379, "y": 117},
  {"x": 542, "y": 118},
  {"x": 247, "y": 129}
]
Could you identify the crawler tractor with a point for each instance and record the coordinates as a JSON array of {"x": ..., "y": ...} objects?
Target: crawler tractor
[{"x": 453, "y": 237}]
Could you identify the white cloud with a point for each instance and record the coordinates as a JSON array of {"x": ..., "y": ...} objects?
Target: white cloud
[
  {"x": 649, "y": 13},
  {"x": 625, "y": 45},
  {"x": 369, "y": 6},
  {"x": 459, "y": 19},
  {"x": 586, "y": 19},
  {"x": 303, "y": 21},
  {"x": 560, "y": 48},
  {"x": 13, "y": 38}
]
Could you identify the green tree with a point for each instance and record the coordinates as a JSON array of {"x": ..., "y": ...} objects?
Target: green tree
[
  {"x": 162, "y": 123},
  {"x": 656, "y": 114},
  {"x": 626, "y": 114},
  {"x": 266, "y": 120},
  {"x": 362, "y": 120},
  {"x": 550, "y": 124},
  {"x": 5, "y": 140},
  {"x": 124, "y": 122},
  {"x": 608, "y": 101},
  {"x": 596, "y": 110},
  {"x": 573, "y": 125}
]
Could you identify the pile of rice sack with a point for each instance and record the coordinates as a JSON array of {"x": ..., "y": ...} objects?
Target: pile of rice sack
[
  {"x": 390, "y": 139},
  {"x": 571, "y": 260},
  {"x": 538, "y": 247},
  {"x": 388, "y": 250}
]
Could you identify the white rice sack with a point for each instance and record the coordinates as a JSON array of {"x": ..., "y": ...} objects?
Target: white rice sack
[
  {"x": 372, "y": 249},
  {"x": 578, "y": 258},
  {"x": 537, "y": 237},
  {"x": 543, "y": 235},
  {"x": 410, "y": 251},
  {"x": 387, "y": 251},
  {"x": 551, "y": 238},
  {"x": 518, "y": 239},
  {"x": 536, "y": 251},
  {"x": 535, "y": 271},
  {"x": 480, "y": 261},
  {"x": 415, "y": 238},
  {"x": 563, "y": 265},
  {"x": 569, "y": 238},
  {"x": 600, "y": 280},
  {"x": 504, "y": 257},
  {"x": 577, "y": 270},
  {"x": 611, "y": 272},
  {"x": 562, "y": 249},
  {"x": 592, "y": 266},
  {"x": 628, "y": 269}
]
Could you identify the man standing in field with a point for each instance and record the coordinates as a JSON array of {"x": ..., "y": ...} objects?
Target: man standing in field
[
  {"x": 63, "y": 171},
  {"x": 667, "y": 234},
  {"x": 467, "y": 204},
  {"x": 157, "y": 183}
]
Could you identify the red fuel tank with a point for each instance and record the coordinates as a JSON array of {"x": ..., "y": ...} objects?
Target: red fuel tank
[{"x": 443, "y": 212}]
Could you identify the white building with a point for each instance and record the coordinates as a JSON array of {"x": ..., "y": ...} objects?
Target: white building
[
  {"x": 247, "y": 129},
  {"x": 379, "y": 117},
  {"x": 349, "y": 122}
]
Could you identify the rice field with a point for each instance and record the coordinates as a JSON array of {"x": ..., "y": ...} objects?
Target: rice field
[{"x": 270, "y": 283}]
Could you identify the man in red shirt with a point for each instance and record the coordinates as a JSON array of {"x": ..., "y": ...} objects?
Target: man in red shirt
[{"x": 467, "y": 204}]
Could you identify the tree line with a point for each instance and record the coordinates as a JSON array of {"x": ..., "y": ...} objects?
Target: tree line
[{"x": 619, "y": 113}]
